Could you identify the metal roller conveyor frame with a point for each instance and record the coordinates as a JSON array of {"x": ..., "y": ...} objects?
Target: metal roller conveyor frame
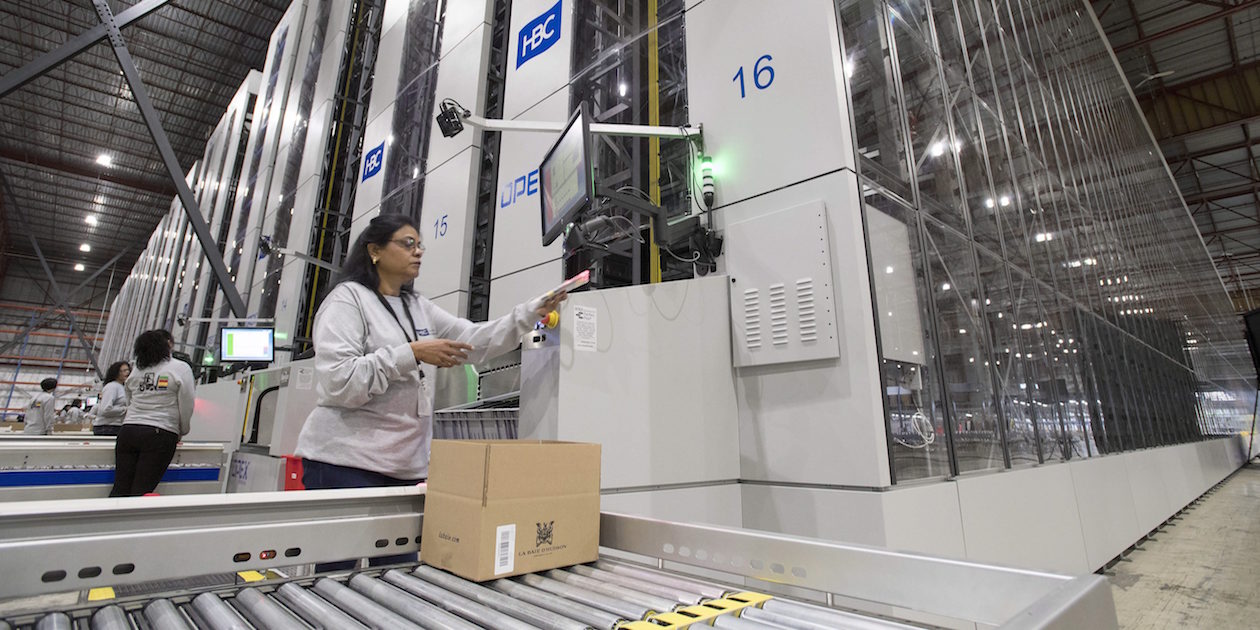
[
  {"x": 81, "y": 465},
  {"x": 44, "y": 452},
  {"x": 56, "y": 546}
]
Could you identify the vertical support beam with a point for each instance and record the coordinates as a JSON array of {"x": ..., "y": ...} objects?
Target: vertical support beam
[
  {"x": 104, "y": 304},
  {"x": 65, "y": 351},
  {"x": 140, "y": 93},
  {"x": 57, "y": 295},
  {"x": 654, "y": 143}
]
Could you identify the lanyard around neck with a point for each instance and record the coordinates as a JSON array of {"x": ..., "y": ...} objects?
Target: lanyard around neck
[{"x": 406, "y": 310}]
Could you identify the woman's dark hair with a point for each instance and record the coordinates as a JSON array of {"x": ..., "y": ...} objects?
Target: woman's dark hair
[
  {"x": 358, "y": 266},
  {"x": 152, "y": 348},
  {"x": 114, "y": 370},
  {"x": 48, "y": 384}
]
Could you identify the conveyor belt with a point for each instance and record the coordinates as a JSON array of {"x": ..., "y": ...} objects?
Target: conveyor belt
[
  {"x": 61, "y": 467},
  {"x": 49, "y": 547},
  {"x": 604, "y": 595}
]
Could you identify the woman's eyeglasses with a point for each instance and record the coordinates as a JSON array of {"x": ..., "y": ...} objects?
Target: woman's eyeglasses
[{"x": 410, "y": 244}]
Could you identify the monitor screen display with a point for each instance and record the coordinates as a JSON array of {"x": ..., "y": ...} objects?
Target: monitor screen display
[
  {"x": 565, "y": 174},
  {"x": 247, "y": 344}
]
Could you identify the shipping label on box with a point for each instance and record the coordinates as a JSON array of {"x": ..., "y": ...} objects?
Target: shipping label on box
[{"x": 498, "y": 508}]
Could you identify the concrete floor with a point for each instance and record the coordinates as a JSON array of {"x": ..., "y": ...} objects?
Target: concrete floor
[{"x": 1203, "y": 569}]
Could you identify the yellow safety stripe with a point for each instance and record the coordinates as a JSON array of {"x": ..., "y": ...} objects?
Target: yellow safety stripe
[
  {"x": 700, "y": 614},
  {"x": 100, "y": 593}
]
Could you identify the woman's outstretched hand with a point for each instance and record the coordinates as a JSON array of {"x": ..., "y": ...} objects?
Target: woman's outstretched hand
[
  {"x": 440, "y": 352},
  {"x": 550, "y": 304}
]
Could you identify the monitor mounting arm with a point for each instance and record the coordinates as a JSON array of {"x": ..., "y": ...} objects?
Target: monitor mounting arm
[
  {"x": 665, "y": 234},
  {"x": 453, "y": 116},
  {"x": 606, "y": 129}
]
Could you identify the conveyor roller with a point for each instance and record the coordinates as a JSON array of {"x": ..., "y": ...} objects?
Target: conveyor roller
[
  {"x": 536, "y": 616},
  {"x": 314, "y": 609},
  {"x": 162, "y": 615},
  {"x": 605, "y": 596}
]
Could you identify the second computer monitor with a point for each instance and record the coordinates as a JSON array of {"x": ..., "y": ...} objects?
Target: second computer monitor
[{"x": 253, "y": 345}]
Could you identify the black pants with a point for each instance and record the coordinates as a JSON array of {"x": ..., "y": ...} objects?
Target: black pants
[
  {"x": 106, "y": 429},
  {"x": 141, "y": 456},
  {"x": 321, "y": 476}
]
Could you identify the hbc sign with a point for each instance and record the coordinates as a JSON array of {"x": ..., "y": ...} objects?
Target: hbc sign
[
  {"x": 538, "y": 35},
  {"x": 372, "y": 161}
]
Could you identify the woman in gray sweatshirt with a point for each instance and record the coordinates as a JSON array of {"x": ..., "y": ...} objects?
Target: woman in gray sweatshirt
[
  {"x": 160, "y": 411},
  {"x": 376, "y": 345},
  {"x": 112, "y": 407}
]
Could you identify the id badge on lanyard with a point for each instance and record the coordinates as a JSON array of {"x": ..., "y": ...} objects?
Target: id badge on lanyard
[{"x": 424, "y": 404}]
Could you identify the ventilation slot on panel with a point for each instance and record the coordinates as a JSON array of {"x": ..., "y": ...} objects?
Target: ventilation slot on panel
[
  {"x": 778, "y": 315},
  {"x": 808, "y": 321},
  {"x": 752, "y": 318},
  {"x": 782, "y": 312}
]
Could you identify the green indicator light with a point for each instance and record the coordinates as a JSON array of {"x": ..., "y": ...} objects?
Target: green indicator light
[
  {"x": 707, "y": 163},
  {"x": 282, "y": 335}
]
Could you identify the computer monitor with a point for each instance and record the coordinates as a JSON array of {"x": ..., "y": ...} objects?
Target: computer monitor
[
  {"x": 254, "y": 345},
  {"x": 568, "y": 182}
]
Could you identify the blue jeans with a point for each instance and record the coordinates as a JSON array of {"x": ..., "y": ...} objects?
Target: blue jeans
[{"x": 322, "y": 476}]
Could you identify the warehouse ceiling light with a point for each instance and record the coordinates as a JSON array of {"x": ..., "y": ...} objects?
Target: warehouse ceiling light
[
  {"x": 85, "y": 248},
  {"x": 105, "y": 160},
  {"x": 91, "y": 220},
  {"x": 79, "y": 267}
]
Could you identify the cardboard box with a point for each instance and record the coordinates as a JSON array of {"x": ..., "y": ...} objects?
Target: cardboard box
[{"x": 497, "y": 508}]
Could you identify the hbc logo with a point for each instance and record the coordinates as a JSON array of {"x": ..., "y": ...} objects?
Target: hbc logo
[
  {"x": 373, "y": 160},
  {"x": 538, "y": 35},
  {"x": 520, "y": 188}
]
